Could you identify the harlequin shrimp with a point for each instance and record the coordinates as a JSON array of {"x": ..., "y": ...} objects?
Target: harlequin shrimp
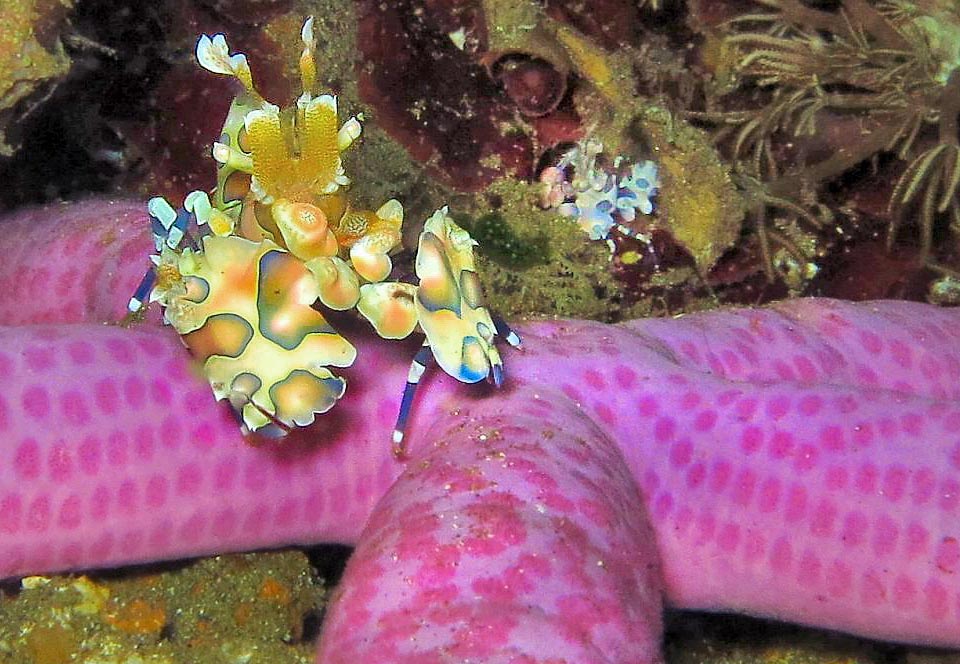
[
  {"x": 244, "y": 310},
  {"x": 243, "y": 273},
  {"x": 600, "y": 200}
]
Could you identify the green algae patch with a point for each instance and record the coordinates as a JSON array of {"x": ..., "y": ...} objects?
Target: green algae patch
[
  {"x": 503, "y": 245},
  {"x": 534, "y": 262},
  {"x": 31, "y": 57}
]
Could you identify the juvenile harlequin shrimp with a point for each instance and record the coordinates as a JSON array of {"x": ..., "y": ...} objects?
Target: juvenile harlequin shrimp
[
  {"x": 601, "y": 200},
  {"x": 242, "y": 275},
  {"x": 447, "y": 306}
]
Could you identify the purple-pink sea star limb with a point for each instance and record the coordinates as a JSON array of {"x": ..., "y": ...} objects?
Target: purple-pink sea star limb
[{"x": 800, "y": 462}]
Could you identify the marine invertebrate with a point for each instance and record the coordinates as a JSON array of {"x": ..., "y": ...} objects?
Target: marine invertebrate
[
  {"x": 244, "y": 311},
  {"x": 447, "y": 306},
  {"x": 629, "y": 466},
  {"x": 877, "y": 77},
  {"x": 280, "y": 177},
  {"x": 933, "y": 176},
  {"x": 273, "y": 242},
  {"x": 700, "y": 210},
  {"x": 600, "y": 199}
]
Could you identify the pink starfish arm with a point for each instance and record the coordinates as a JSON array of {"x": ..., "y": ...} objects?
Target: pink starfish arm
[
  {"x": 114, "y": 450},
  {"x": 515, "y": 535},
  {"x": 800, "y": 463}
]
